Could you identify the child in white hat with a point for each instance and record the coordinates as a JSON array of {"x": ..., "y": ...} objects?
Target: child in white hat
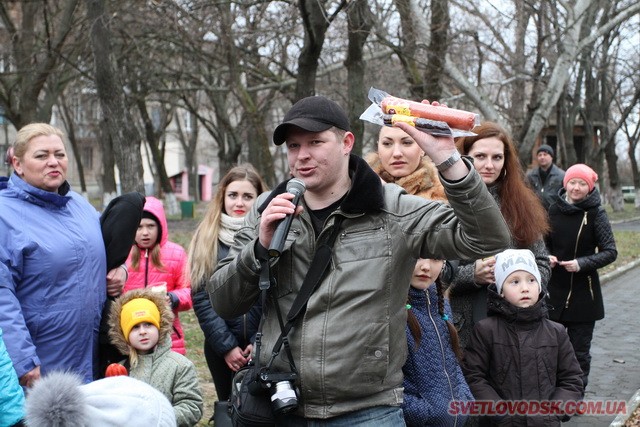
[
  {"x": 59, "y": 399},
  {"x": 517, "y": 354}
]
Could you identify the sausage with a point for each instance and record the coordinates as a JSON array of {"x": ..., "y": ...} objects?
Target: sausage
[{"x": 457, "y": 119}]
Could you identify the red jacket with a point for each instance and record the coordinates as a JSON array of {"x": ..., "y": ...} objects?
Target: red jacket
[{"x": 174, "y": 260}]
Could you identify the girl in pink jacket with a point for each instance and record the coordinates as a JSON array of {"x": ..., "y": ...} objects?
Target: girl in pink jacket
[{"x": 156, "y": 262}]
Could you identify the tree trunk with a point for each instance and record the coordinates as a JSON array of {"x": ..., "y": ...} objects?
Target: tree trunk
[
  {"x": 438, "y": 46},
  {"x": 109, "y": 189},
  {"x": 189, "y": 143},
  {"x": 407, "y": 51},
  {"x": 315, "y": 22},
  {"x": 360, "y": 21},
  {"x": 152, "y": 137},
  {"x": 71, "y": 135},
  {"x": 125, "y": 137}
]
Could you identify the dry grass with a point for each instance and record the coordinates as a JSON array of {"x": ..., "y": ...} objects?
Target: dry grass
[
  {"x": 181, "y": 230},
  {"x": 195, "y": 352}
]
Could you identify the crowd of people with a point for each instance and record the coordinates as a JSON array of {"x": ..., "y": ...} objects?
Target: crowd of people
[{"x": 438, "y": 283}]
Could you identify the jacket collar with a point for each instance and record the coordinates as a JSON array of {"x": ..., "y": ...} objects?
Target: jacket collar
[
  {"x": 364, "y": 196},
  {"x": 590, "y": 202},
  {"x": 36, "y": 195},
  {"x": 526, "y": 317}
]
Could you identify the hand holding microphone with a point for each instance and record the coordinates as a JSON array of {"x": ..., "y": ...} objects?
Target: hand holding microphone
[{"x": 297, "y": 188}]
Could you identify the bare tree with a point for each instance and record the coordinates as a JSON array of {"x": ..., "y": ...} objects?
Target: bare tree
[
  {"x": 437, "y": 51},
  {"x": 39, "y": 41},
  {"x": 316, "y": 20},
  {"x": 561, "y": 39},
  {"x": 360, "y": 22},
  {"x": 67, "y": 118},
  {"x": 122, "y": 131}
]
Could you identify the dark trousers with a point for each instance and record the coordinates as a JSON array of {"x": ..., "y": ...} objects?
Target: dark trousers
[
  {"x": 580, "y": 335},
  {"x": 220, "y": 372}
]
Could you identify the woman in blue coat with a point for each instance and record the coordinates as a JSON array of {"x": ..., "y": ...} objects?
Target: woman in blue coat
[{"x": 53, "y": 278}]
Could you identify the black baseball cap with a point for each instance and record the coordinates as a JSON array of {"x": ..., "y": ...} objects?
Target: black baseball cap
[{"x": 313, "y": 114}]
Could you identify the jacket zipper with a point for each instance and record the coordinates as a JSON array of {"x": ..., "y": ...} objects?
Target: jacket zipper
[
  {"x": 146, "y": 267},
  {"x": 444, "y": 367},
  {"x": 146, "y": 283},
  {"x": 575, "y": 255},
  {"x": 244, "y": 328}
]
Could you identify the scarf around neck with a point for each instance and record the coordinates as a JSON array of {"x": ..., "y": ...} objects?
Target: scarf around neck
[{"x": 228, "y": 228}]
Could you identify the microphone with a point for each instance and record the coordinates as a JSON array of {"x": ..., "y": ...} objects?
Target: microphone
[{"x": 297, "y": 188}]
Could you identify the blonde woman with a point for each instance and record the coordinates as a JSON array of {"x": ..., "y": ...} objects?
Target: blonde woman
[{"x": 228, "y": 343}]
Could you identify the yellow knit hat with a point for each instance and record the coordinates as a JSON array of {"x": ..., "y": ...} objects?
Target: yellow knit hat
[{"x": 136, "y": 311}]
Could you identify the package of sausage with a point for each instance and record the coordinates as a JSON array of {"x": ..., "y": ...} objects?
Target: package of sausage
[
  {"x": 387, "y": 109},
  {"x": 434, "y": 127}
]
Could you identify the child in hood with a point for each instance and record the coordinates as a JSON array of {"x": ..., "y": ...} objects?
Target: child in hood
[
  {"x": 158, "y": 263},
  {"x": 140, "y": 326},
  {"x": 542, "y": 366}
]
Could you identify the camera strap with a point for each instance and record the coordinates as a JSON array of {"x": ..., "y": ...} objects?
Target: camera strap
[{"x": 319, "y": 264}]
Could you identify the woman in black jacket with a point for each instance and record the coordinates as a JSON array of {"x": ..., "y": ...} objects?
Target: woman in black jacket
[
  {"x": 581, "y": 241},
  {"x": 227, "y": 343}
]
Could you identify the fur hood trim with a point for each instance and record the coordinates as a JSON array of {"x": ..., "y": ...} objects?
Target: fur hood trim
[
  {"x": 423, "y": 182},
  {"x": 116, "y": 336}
]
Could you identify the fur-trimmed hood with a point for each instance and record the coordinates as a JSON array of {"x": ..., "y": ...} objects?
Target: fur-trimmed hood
[
  {"x": 423, "y": 182},
  {"x": 116, "y": 335}
]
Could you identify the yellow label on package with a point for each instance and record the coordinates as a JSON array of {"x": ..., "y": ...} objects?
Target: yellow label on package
[
  {"x": 398, "y": 109},
  {"x": 397, "y": 118}
]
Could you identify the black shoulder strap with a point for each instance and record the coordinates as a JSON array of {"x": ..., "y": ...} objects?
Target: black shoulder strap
[{"x": 319, "y": 265}]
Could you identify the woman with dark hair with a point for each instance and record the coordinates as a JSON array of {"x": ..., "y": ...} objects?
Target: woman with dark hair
[
  {"x": 495, "y": 158},
  {"x": 400, "y": 160},
  {"x": 227, "y": 343}
]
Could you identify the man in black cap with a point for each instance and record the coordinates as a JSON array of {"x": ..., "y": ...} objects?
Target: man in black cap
[
  {"x": 349, "y": 345},
  {"x": 546, "y": 179}
]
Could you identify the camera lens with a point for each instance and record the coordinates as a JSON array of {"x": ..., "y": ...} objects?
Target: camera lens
[{"x": 283, "y": 398}]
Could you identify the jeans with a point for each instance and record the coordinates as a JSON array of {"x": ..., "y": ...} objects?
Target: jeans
[{"x": 378, "y": 416}]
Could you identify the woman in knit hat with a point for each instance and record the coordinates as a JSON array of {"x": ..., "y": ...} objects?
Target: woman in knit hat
[
  {"x": 581, "y": 241},
  {"x": 158, "y": 263},
  {"x": 140, "y": 327},
  {"x": 517, "y": 354}
]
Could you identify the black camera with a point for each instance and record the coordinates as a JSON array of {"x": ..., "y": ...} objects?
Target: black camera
[{"x": 281, "y": 385}]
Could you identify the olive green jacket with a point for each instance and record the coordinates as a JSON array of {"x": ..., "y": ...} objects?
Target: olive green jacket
[
  {"x": 169, "y": 372},
  {"x": 350, "y": 345}
]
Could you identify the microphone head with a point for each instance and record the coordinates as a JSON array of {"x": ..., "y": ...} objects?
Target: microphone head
[{"x": 296, "y": 186}]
